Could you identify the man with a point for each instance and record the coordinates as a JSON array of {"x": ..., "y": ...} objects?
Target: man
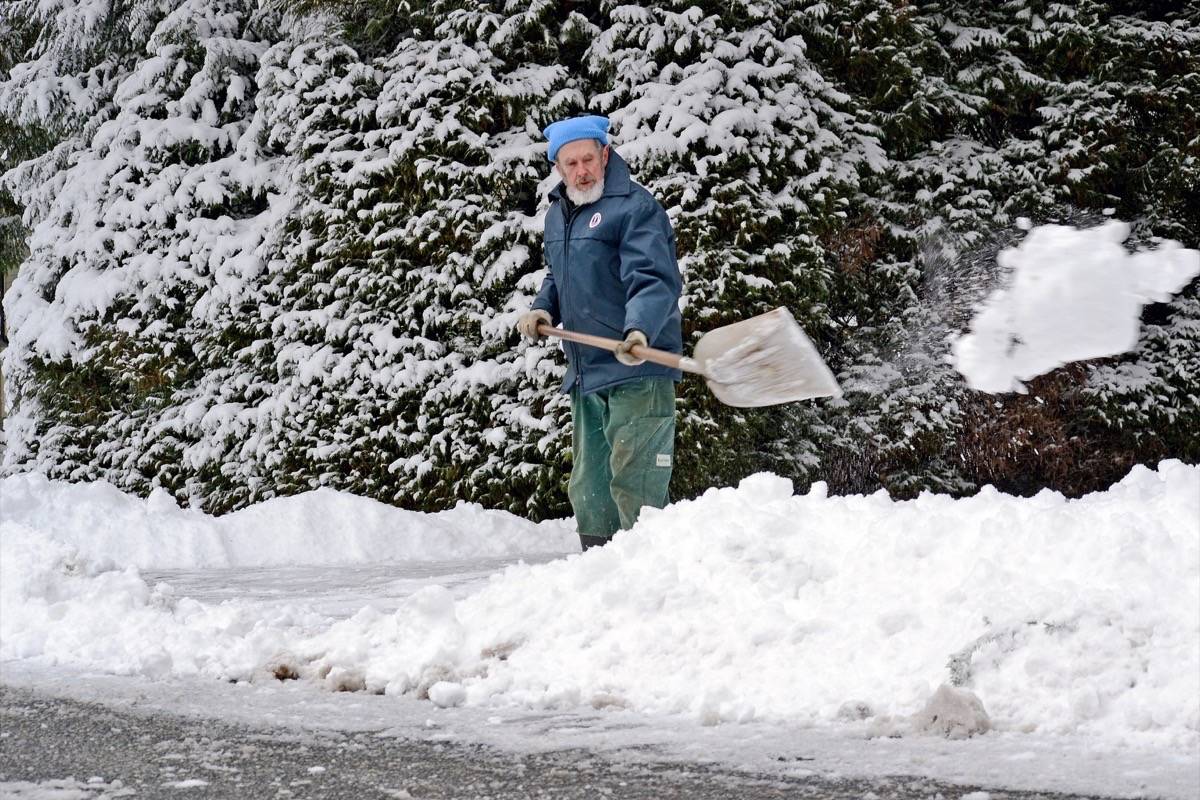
[{"x": 611, "y": 253}]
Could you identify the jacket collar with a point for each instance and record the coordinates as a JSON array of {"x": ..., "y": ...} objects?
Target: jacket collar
[{"x": 617, "y": 180}]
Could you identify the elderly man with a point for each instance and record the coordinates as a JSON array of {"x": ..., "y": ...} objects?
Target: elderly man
[{"x": 611, "y": 253}]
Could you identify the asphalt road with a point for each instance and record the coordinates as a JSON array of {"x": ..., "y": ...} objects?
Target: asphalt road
[{"x": 56, "y": 749}]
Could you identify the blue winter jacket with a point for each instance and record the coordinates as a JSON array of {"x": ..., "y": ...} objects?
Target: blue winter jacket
[{"x": 612, "y": 270}]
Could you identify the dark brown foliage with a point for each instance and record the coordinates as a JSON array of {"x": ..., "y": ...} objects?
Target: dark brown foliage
[{"x": 1022, "y": 443}]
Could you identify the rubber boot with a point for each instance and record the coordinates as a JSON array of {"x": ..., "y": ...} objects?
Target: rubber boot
[{"x": 592, "y": 541}]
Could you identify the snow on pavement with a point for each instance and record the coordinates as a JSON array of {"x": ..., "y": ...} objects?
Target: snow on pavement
[{"x": 1065, "y": 617}]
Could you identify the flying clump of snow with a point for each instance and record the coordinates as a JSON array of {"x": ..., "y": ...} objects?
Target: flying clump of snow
[
  {"x": 748, "y": 603},
  {"x": 1075, "y": 294}
]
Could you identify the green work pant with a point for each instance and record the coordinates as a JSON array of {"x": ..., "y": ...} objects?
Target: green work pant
[{"x": 623, "y": 449}]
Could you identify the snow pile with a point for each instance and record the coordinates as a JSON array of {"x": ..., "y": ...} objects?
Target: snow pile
[
  {"x": 1075, "y": 295},
  {"x": 67, "y": 609},
  {"x": 749, "y": 603},
  {"x": 71, "y": 592},
  {"x": 319, "y": 527}
]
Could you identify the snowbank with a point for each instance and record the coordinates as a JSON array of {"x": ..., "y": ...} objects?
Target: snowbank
[
  {"x": 318, "y": 527},
  {"x": 1076, "y": 294},
  {"x": 1060, "y": 615}
]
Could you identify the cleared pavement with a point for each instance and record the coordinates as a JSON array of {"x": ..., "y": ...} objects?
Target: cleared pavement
[{"x": 58, "y": 748}]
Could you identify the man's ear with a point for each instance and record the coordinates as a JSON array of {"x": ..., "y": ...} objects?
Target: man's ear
[
  {"x": 558, "y": 169},
  {"x": 604, "y": 155}
]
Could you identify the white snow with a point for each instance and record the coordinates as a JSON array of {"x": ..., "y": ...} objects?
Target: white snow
[
  {"x": 1075, "y": 294},
  {"x": 64, "y": 789},
  {"x": 318, "y": 527},
  {"x": 1063, "y": 617},
  {"x": 188, "y": 783}
]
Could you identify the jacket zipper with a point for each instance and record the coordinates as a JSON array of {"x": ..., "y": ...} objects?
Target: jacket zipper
[{"x": 575, "y": 358}]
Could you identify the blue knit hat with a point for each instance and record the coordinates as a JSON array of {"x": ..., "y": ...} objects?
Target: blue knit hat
[{"x": 570, "y": 130}]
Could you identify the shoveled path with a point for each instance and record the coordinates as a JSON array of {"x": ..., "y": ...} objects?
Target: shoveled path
[{"x": 60, "y": 748}]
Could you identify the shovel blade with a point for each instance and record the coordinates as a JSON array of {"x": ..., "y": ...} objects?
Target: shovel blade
[{"x": 763, "y": 361}]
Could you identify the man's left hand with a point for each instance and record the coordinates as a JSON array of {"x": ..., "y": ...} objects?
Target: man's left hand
[{"x": 624, "y": 351}]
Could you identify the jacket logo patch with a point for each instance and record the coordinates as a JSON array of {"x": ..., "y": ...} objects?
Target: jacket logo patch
[{"x": 595, "y": 220}]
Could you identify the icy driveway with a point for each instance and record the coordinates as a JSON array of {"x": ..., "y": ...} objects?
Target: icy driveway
[
  {"x": 334, "y": 591},
  {"x": 132, "y": 753}
]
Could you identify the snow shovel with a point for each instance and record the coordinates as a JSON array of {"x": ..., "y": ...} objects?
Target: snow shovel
[{"x": 761, "y": 361}]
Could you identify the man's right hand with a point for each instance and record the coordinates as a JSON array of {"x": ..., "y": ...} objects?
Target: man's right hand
[{"x": 529, "y": 321}]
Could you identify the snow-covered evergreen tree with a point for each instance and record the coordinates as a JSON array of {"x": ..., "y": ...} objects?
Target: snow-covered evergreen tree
[
  {"x": 722, "y": 116},
  {"x": 387, "y": 353},
  {"x": 262, "y": 251},
  {"x": 1151, "y": 396},
  {"x": 133, "y": 215},
  {"x": 988, "y": 113},
  {"x": 462, "y": 223}
]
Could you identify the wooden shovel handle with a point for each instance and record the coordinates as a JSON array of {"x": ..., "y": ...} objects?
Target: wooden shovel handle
[{"x": 672, "y": 360}]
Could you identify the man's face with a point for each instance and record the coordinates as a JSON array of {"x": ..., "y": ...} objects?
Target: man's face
[{"x": 581, "y": 165}]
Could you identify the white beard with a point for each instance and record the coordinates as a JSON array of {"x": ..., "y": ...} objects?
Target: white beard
[{"x": 582, "y": 198}]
